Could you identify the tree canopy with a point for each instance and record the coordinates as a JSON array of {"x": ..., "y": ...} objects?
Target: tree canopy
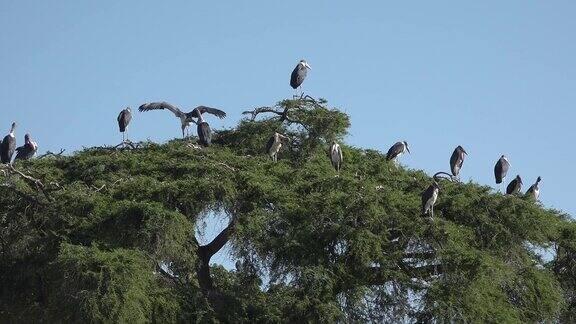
[{"x": 108, "y": 235}]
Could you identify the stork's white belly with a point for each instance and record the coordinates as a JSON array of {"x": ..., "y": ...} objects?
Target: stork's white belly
[
  {"x": 275, "y": 148},
  {"x": 335, "y": 155}
]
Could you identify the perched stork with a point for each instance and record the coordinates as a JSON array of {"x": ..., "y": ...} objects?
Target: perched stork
[
  {"x": 27, "y": 150},
  {"x": 396, "y": 150},
  {"x": 429, "y": 197},
  {"x": 274, "y": 145},
  {"x": 204, "y": 131},
  {"x": 457, "y": 159},
  {"x": 124, "y": 119},
  {"x": 514, "y": 186},
  {"x": 501, "y": 169},
  {"x": 336, "y": 156},
  {"x": 8, "y": 146},
  {"x": 299, "y": 74},
  {"x": 534, "y": 190}
]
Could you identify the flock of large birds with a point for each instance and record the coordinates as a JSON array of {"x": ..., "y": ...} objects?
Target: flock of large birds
[{"x": 429, "y": 196}]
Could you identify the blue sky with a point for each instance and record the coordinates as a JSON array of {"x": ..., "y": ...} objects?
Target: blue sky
[{"x": 496, "y": 77}]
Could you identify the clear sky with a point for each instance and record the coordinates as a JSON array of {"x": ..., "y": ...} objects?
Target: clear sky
[{"x": 497, "y": 77}]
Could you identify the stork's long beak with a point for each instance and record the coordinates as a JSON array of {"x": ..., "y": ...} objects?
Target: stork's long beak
[
  {"x": 408, "y": 149},
  {"x": 308, "y": 66}
]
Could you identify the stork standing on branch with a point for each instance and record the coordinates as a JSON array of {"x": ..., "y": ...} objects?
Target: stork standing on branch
[
  {"x": 299, "y": 74},
  {"x": 501, "y": 169},
  {"x": 514, "y": 186},
  {"x": 336, "y": 156},
  {"x": 124, "y": 119},
  {"x": 204, "y": 131},
  {"x": 274, "y": 145},
  {"x": 185, "y": 118},
  {"x": 397, "y": 150},
  {"x": 534, "y": 190},
  {"x": 430, "y": 195},
  {"x": 8, "y": 146},
  {"x": 27, "y": 150},
  {"x": 429, "y": 198},
  {"x": 456, "y": 160}
]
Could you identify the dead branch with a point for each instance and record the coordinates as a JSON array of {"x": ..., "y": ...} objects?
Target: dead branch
[
  {"x": 227, "y": 166},
  {"x": 282, "y": 112},
  {"x": 49, "y": 153},
  {"x": 443, "y": 175},
  {"x": 256, "y": 111},
  {"x": 36, "y": 182},
  {"x": 98, "y": 189}
]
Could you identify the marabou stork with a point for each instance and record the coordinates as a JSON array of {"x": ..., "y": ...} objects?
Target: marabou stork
[
  {"x": 534, "y": 190},
  {"x": 336, "y": 156},
  {"x": 396, "y": 150},
  {"x": 429, "y": 197},
  {"x": 8, "y": 146},
  {"x": 457, "y": 159},
  {"x": 299, "y": 74},
  {"x": 27, "y": 150},
  {"x": 204, "y": 131},
  {"x": 501, "y": 169},
  {"x": 185, "y": 118},
  {"x": 514, "y": 186},
  {"x": 274, "y": 144},
  {"x": 124, "y": 119}
]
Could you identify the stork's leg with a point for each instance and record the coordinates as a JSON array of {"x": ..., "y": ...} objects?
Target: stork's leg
[{"x": 183, "y": 127}]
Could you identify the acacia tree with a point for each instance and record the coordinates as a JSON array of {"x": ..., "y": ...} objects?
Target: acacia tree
[{"x": 108, "y": 235}]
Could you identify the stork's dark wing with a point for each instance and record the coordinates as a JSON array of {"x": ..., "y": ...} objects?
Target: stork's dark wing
[
  {"x": 456, "y": 162},
  {"x": 162, "y": 105},
  {"x": 500, "y": 170},
  {"x": 426, "y": 195},
  {"x": 204, "y": 134},
  {"x": 22, "y": 152},
  {"x": 394, "y": 151},
  {"x": 511, "y": 186},
  {"x": 213, "y": 111},
  {"x": 269, "y": 144},
  {"x": 454, "y": 158},
  {"x": 7, "y": 148},
  {"x": 298, "y": 75}
]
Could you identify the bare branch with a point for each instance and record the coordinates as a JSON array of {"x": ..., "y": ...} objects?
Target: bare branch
[
  {"x": 260, "y": 110},
  {"x": 227, "y": 166},
  {"x": 49, "y": 153},
  {"x": 443, "y": 175},
  {"x": 96, "y": 189}
]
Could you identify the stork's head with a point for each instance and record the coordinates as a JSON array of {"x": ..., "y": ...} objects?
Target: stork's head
[
  {"x": 519, "y": 179},
  {"x": 539, "y": 179},
  {"x": 461, "y": 149},
  {"x": 13, "y": 127},
  {"x": 128, "y": 109},
  {"x": 406, "y": 146},
  {"x": 436, "y": 185},
  {"x": 27, "y": 138},
  {"x": 305, "y": 64}
]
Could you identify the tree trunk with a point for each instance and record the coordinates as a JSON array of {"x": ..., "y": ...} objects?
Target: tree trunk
[{"x": 206, "y": 252}]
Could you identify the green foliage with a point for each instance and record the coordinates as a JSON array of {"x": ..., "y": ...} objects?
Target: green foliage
[{"x": 111, "y": 237}]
